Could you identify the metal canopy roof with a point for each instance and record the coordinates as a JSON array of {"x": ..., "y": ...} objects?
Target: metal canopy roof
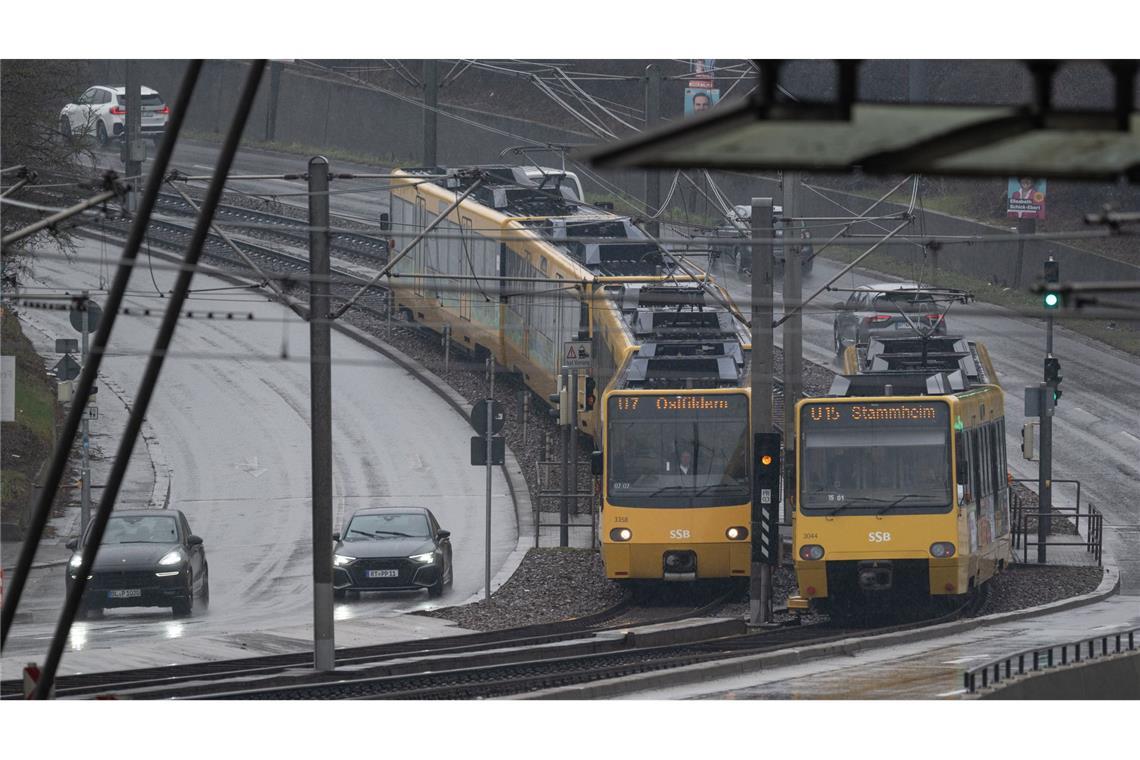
[{"x": 892, "y": 138}]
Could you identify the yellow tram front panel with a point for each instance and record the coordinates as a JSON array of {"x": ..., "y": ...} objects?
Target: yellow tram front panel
[
  {"x": 657, "y": 532},
  {"x": 676, "y": 488},
  {"x": 870, "y": 538}
]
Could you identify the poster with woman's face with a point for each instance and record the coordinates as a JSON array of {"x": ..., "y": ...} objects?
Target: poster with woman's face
[{"x": 1025, "y": 198}]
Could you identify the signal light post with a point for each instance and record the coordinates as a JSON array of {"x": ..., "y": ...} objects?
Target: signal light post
[
  {"x": 1050, "y": 395},
  {"x": 760, "y": 583}
]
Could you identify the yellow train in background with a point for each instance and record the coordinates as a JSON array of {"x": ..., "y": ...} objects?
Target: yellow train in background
[{"x": 520, "y": 267}]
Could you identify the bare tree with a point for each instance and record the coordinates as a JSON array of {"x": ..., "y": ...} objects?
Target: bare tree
[{"x": 32, "y": 93}]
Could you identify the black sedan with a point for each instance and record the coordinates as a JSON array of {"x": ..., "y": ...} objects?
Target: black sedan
[
  {"x": 148, "y": 558},
  {"x": 392, "y": 549}
]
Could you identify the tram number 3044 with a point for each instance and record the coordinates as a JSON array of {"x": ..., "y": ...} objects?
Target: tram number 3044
[{"x": 878, "y": 536}]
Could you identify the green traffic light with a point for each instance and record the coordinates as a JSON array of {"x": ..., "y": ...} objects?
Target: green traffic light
[{"x": 1052, "y": 300}]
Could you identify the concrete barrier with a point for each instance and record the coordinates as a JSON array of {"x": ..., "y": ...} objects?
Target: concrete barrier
[{"x": 1114, "y": 677}]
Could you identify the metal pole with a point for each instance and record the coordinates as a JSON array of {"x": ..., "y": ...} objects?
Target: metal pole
[
  {"x": 62, "y": 446},
  {"x": 85, "y": 467},
  {"x": 652, "y": 117},
  {"x": 320, "y": 373},
  {"x": 150, "y": 376},
  {"x": 526, "y": 413},
  {"x": 490, "y": 433},
  {"x": 574, "y": 439},
  {"x": 431, "y": 100},
  {"x": 760, "y": 583},
  {"x": 1024, "y": 227},
  {"x": 446, "y": 347},
  {"x": 133, "y": 150},
  {"x": 564, "y": 510},
  {"x": 271, "y": 103},
  {"x": 793, "y": 335}
]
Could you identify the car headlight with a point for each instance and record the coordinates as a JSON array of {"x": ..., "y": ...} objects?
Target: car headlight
[
  {"x": 427, "y": 558},
  {"x": 76, "y": 561},
  {"x": 340, "y": 560},
  {"x": 172, "y": 558}
]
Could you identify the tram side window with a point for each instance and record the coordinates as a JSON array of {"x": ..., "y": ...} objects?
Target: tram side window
[
  {"x": 963, "y": 464},
  {"x": 975, "y": 469},
  {"x": 987, "y": 459},
  {"x": 993, "y": 460}
]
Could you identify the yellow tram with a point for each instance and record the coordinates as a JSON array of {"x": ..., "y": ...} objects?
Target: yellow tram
[
  {"x": 670, "y": 362},
  {"x": 901, "y": 486}
]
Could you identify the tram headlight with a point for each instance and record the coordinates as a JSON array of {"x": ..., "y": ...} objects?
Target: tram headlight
[
  {"x": 736, "y": 533},
  {"x": 621, "y": 534},
  {"x": 811, "y": 552},
  {"x": 942, "y": 549}
]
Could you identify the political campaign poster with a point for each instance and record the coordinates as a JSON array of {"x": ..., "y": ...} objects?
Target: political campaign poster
[
  {"x": 700, "y": 100},
  {"x": 1025, "y": 198}
]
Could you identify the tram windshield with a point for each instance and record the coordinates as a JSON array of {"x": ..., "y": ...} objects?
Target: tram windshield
[
  {"x": 678, "y": 451},
  {"x": 875, "y": 458}
]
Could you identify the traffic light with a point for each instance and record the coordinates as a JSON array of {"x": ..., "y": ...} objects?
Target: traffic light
[
  {"x": 1053, "y": 377},
  {"x": 766, "y": 498},
  {"x": 591, "y": 391},
  {"x": 561, "y": 402},
  {"x": 1051, "y": 298}
]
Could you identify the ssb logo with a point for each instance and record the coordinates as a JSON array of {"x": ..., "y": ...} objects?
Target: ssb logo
[
  {"x": 878, "y": 536},
  {"x": 675, "y": 534}
]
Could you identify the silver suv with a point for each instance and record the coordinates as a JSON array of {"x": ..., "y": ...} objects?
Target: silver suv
[{"x": 880, "y": 308}]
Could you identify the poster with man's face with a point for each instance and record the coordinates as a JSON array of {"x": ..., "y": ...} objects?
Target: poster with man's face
[
  {"x": 1025, "y": 198},
  {"x": 699, "y": 101}
]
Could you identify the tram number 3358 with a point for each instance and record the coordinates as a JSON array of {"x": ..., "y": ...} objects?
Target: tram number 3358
[{"x": 878, "y": 536}]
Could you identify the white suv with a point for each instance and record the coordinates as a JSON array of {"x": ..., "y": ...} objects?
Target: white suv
[{"x": 102, "y": 112}]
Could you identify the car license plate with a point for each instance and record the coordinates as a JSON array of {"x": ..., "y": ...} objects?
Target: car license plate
[
  {"x": 383, "y": 573},
  {"x": 124, "y": 593}
]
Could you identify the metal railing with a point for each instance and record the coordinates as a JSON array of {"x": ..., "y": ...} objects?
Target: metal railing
[
  {"x": 1055, "y": 655},
  {"x": 1024, "y": 535},
  {"x": 550, "y": 490}
]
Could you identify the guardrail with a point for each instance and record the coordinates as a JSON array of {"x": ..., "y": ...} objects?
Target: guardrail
[
  {"x": 1024, "y": 537},
  {"x": 1043, "y": 658},
  {"x": 550, "y": 489}
]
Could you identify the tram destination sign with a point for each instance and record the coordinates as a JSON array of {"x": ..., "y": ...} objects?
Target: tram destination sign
[
  {"x": 864, "y": 413},
  {"x": 657, "y": 406}
]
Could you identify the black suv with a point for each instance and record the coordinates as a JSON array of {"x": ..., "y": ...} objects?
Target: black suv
[{"x": 148, "y": 558}]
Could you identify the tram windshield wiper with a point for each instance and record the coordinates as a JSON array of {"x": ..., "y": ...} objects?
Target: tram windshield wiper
[
  {"x": 903, "y": 498},
  {"x": 663, "y": 489},
  {"x": 730, "y": 486}
]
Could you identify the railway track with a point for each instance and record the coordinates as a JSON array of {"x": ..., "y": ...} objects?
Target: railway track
[
  {"x": 484, "y": 665},
  {"x": 200, "y": 680}
]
